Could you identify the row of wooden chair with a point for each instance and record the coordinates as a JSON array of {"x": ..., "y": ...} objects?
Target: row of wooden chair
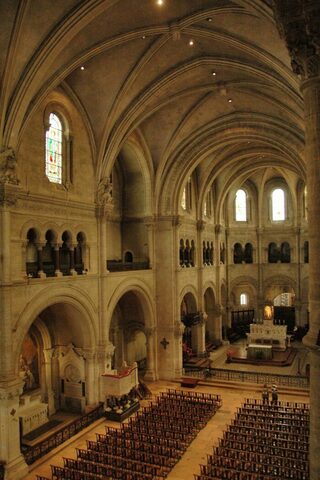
[{"x": 261, "y": 443}]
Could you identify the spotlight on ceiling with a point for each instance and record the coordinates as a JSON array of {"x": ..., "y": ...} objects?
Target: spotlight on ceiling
[
  {"x": 209, "y": 19},
  {"x": 82, "y": 68},
  {"x": 160, "y": 2},
  {"x": 191, "y": 43},
  {"x": 230, "y": 100},
  {"x": 213, "y": 74}
]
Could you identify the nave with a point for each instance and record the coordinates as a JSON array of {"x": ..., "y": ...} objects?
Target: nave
[{"x": 196, "y": 453}]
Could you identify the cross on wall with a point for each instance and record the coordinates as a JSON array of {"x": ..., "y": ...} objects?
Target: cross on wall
[{"x": 164, "y": 342}]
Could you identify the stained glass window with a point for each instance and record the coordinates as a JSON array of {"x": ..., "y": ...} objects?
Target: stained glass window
[
  {"x": 278, "y": 208},
  {"x": 241, "y": 206},
  {"x": 54, "y": 150}
]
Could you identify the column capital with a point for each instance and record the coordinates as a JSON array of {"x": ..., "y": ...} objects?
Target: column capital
[
  {"x": 298, "y": 24},
  {"x": 8, "y": 167},
  {"x": 201, "y": 224}
]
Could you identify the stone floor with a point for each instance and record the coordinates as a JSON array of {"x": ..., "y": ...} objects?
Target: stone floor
[{"x": 198, "y": 449}]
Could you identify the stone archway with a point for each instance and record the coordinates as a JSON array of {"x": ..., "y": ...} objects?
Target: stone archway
[
  {"x": 194, "y": 333},
  {"x": 131, "y": 335},
  {"x": 55, "y": 362}
]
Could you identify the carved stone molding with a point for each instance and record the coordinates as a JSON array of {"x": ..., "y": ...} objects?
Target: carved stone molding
[
  {"x": 8, "y": 167},
  {"x": 8, "y": 194}
]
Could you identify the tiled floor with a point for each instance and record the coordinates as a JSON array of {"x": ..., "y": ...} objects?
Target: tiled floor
[{"x": 195, "y": 454}]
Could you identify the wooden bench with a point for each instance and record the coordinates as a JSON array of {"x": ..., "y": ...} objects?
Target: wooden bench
[{"x": 189, "y": 382}]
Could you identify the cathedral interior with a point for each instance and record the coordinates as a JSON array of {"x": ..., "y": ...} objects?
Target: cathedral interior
[{"x": 159, "y": 188}]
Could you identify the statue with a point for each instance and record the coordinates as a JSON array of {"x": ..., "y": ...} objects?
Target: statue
[{"x": 8, "y": 165}]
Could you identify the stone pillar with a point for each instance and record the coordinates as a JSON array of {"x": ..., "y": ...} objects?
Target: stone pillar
[
  {"x": 49, "y": 392},
  {"x": 166, "y": 281},
  {"x": 72, "y": 249},
  {"x": 298, "y": 23},
  {"x": 92, "y": 393},
  {"x": 24, "y": 258},
  {"x": 57, "y": 270},
  {"x": 151, "y": 353},
  {"x": 217, "y": 322},
  {"x": 41, "y": 273},
  {"x": 198, "y": 338},
  {"x": 15, "y": 466},
  {"x": 178, "y": 357},
  {"x": 311, "y": 93},
  {"x": 150, "y": 229}
]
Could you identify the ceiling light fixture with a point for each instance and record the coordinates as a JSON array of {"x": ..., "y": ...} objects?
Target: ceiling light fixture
[
  {"x": 191, "y": 43},
  {"x": 143, "y": 36},
  {"x": 82, "y": 68},
  {"x": 209, "y": 19},
  {"x": 159, "y": 2},
  {"x": 214, "y": 74},
  {"x": 230, "y": 100}
]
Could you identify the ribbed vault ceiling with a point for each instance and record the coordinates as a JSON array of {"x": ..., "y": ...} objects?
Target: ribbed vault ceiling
[{"x": 226, "y": 105}]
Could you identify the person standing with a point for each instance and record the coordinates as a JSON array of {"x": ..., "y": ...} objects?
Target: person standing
[
  {"x": 265, "y": 394},
  {"x": 274, "y": 395}
]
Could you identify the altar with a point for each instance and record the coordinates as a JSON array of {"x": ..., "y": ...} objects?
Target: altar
[
  {"x": 266, "y": 333},
  {"x": 259, "y": 352},
  {"x": 32, "y": 413}
]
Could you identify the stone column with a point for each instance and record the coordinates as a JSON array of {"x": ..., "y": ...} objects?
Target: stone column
[
  {"x": 168, "y": 310},
  {"x": 49, "y": 392},
  {"x": 311, "y": 93},
  {"x": 92, "y": 393},
  {"x": 15, "y": 466},
  {"x": 150, "y": 229},
  {"x": 24, "y": 258},
  {"x": 178, "y": 357},
  {"x": 151, "y": 353},
  {"x": 57, "y": 270},
  {"x": 217, "y": 322},
  {"x": 198, "y": 338},
  {"x": 72, "y": 254},
  {"x": 41, "y": 273},
  {"x": 298, "y": 23}
]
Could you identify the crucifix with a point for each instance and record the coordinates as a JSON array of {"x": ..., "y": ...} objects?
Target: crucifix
[{"x": 164, "y": 342}]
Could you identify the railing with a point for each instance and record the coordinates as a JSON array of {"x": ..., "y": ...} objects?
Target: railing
[
  {"x": 250, "y": 377},
  {"x": 31, "y": 454},
  {"x": 115, "y": 266}
]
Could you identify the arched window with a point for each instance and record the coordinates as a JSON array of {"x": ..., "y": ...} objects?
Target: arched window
[
  {"x": 273, "y": 253},
  {"x": 241, "y": 206},
  {"x": 248, "y": 253},
  {"x": 278, "y": 205},
  {"x": 285, "y": 256},
  {"x": 54, "y": 155},
  {"x": 186, "y": 199},
  {"x": 243, "y": 299},
  {"x": 237, "y": 253},
  {"x": 305, "y": 202}
]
